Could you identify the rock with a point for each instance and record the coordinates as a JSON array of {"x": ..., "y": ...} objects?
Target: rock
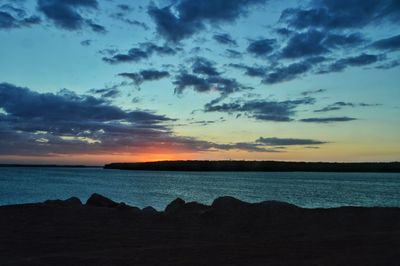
[
  {"x": 149, "y": 210},
  {"x": 194, "y": 207},
  {"x": 73, "y": 201},
  {"x": 175, "y": 205},
  {"x": 276, "y": 203},
  {"x": 227, "y": 203},
  {"x": 98, "y": 200}
]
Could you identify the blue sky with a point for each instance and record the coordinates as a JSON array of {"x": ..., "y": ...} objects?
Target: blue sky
[{"x": 97, "y": 81}]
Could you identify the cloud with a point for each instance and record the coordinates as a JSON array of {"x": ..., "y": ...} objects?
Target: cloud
[
  {"x": 66, "y": 14},
  {"x": 280, "y": 73},
  {"x": 86, "y": 42},
  {"x": 109, "y": 91},
  {"x": 341, "y": 14},
  {"x": 220, "y": 84},
  {"x": 203, "y": 66},
  {"x": 287, "y": 73},
  {"x": 389, "y": 65},
  {"x": 340, "y": 105},
  {"x": 391, "y": 44},
  {"x": 311, "y": 92},
  {"x": 12, "y": 17},
  {"x": 205, "y": 77},
  {"x": 359, "y": 60},
  {"x": 289, "y": 141},
  {"x": 44, "y": 124},
  {"x": 187, "y": 17},
  {"x": 261, "y": 47},
  {"x": 123, "y": 12},
  {"x": 145, "y": 75},
  {"x": 328, "y": 119},
  {"x": 96, "y": 27},
  {"x": 225, "y": 39},
  {"x": 343, "y": 40},
  {"x": 265, "y": 110},
  {"x": 233, "y": 54},
  {"x": 144, "y": 51},
  {"x": 251, "y": 71},
  {"x": 309, "y": 43}
]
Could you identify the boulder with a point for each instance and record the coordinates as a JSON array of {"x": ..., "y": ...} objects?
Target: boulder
[
  {"x": 98, "y": 200},
  {"x": 228, "y": 203},
  {"x": 194, "y": 207},
  {"x": 276, "y": 203},
  {"x": 175, "y": 205},
  {"x": 73, "y": 201},
  {"x": 149, "y": 210}
]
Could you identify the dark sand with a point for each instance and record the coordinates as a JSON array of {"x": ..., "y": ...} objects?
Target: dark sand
[{"x": 230, "y": 232}]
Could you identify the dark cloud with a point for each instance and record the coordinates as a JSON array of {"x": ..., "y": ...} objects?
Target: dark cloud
[
  {"x": 109, "y": 91},
  {"x": 391, "y": 44},
  {"x": 207, "y": 122},
  {"x": 145, "y": 75},
  {"x": 144, "y": 51},
  {"x": 289, "y": 141},
  {"x": 86, "y": 42},
  {"x": 187, "y": 17},
  {"x": 230, "y": 53},
  {"x": 311, "y": 92},
  {"x": 220, "y": 84},
  {"x": 280, "y": 73},
  {"x": 341, "y": 14},
  {"x": 309, "y": 43},
  {"x": 225, "y": 39},
  {"x": 123, "y": 14},
  {"x": 389, "y": 65},
  {"x": 248, "y": 146},
  {"x": 339, "y": 40},
  {"x": 96, "y": 27},
  {"x": 360, "y": 60},
  {"x": 340, "y": 105},
  {"x": 66, "y": 14},
  {"x": 251, "y": 71},
  {"x": 125, "y": 7},
  {"x": 261, "y": 47},
  {"x": 287, "y": 73},
  {"x": 203, "y": 66},
  {"x": 283, "y": 32},
  {"x": 205, "y": 78},
  {"x": 14, "y": 17},
  {"x": 279, "y": 111},
  {"x": 133, "y": 55},
  {"x": 328, "y": 119},
  {"x": 44, "y": 124}
]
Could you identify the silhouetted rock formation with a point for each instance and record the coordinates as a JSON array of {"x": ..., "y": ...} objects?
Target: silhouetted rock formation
[
  {"x": 98, "y": 200},
  {"x": 174, "y": 205},
  {"x": 149, "y": 210},
  {"x": 266, "y": 166},
  {"x": 73, "y": 201},
  {"x": 229, "y": 232}
]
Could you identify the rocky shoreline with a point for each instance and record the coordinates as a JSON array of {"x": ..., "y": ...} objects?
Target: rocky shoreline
[{"x": 228, "y": 232}]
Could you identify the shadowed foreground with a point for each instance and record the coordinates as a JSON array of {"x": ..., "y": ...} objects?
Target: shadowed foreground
[{"x": 229, "y": 232}]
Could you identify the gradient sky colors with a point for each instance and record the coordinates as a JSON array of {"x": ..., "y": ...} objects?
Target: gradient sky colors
[{"x": 93, "y": 81}]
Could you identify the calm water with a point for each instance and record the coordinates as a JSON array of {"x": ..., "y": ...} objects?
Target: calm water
[{"x": 143, "y": 188}]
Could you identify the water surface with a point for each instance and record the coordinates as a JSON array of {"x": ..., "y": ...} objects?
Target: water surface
[{"x": 152, "y": 188}]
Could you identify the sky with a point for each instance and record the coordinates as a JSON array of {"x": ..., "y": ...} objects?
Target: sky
[{"x": 99, "y": 81}]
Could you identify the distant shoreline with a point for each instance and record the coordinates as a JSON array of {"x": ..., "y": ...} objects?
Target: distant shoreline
[
  {"x": 49, "y": 166},
  {"x": 258, "y": 166}
]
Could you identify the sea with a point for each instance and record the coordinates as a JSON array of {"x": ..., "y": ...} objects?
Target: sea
[{"x": 153, "y": 188}]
